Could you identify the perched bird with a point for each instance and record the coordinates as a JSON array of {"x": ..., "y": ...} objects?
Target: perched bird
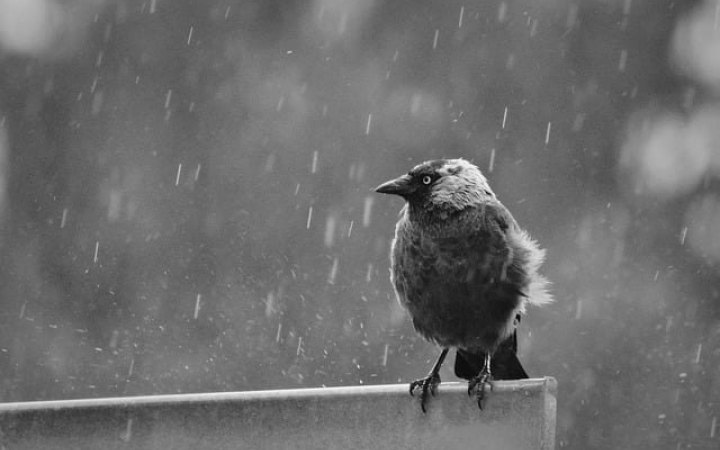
[{"x": 464, "y": 270}]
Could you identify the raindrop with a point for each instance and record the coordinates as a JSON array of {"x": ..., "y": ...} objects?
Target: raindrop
[
  {"x": 367, "y": 126},
  {"x": 279, "y": 331},
  {"x": 578, "y": 310},
  {"x": 197, "y": 306},
  {"x": 502, "y": 12},
  {"x": 309, "y": 218},
  {"x": 491, "y": 165},
  {"x": 114, "y": 203},
  {"x": 197, "y": 172},
  {"x": 435, "y": 39},
  {"x": 368, "y": 274},
  {"x": 533, "y": 27},
  {"x": 330, "y": 224},
  {"x": 360, "y": 173},
  {"x": 712, "y": 428},
  {"x": 683, "y": 235},
  {"x": 623, "y": 60},
  {"x": 270, "y": 304},
  {"x": 578, "y": 122},
  {"x": 342, "y": 25},
  {"x": 177, "y": 176},
  {"x": 95, "y": 255},
  {"x": 504, "y": 121},
  {"x": 460, "y": 19},
  {"x": 299, "y": 347},
  {"x": 227, "y": 12},
  {"x": 63, "y": 220},
  {"x": 333, "y": 271},
  {"x": 114, "y": 339},
  {"x": 367, "y": 210},
  {"x": 698, "y": 353},
  {"x": 547, "y": 133},
  {"x": 153, "y": 6},
  {"x": 572, "y": 16},
  {"x": 385, "y": 355},
  {"x": 626, "y": 7},
  {"x": 350, "y": 227},
  {"x": 127, "y": 435},
  {"x": 313, "y": 168},
  {"x": 190, "y": 33},
  {"x": 97, "y": 103},
  {"x": 168, "y": 97},
  {"x": 270, "y": 163}
]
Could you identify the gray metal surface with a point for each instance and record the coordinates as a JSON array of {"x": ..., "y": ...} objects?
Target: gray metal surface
[{"x": 517, "y": 415}]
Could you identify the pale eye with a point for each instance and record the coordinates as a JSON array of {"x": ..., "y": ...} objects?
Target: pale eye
[{"x": 427, "y": 179}]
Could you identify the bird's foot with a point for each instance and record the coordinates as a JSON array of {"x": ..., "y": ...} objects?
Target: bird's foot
[
  {"x": 427, "y": 387},
  {"x": 476, "y": 386}
]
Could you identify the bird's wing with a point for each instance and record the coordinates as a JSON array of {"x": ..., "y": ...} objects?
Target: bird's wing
[
  {"x": 493, "y": 226},
  {"x": 522, "y": 255}
]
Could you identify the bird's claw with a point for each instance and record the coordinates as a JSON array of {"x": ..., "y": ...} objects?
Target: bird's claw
[
  {"x": 476, "y": 386},
  {"x": 426, "y": 385}
]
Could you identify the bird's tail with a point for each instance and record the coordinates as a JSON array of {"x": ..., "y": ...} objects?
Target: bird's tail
[{"x": 504, "y": 364}]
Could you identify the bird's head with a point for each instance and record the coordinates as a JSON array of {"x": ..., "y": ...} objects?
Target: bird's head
[{"x": 444, "y": 184}]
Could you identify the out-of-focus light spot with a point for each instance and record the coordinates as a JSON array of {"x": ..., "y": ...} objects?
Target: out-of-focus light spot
[
  {"x": 26, "y": 25},
  {"x": 703, "y": 132},
  {"x": 702, "y": 219},
  {"x": 340, "y": 19},
  {"x": 696, "y": 44},
  {"x": 411, "y": 116},
  {"x": 662, "y": 156},
  {"x": 45, "y": 28}
]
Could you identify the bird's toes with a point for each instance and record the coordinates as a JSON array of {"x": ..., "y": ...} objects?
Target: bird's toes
[
  {"x": 414, "y": 385},
  {"x": 427, "y": 387},
  {"x": 476, "y": 387}
]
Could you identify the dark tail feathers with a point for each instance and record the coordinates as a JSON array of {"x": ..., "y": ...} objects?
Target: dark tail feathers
[{"x": 504, "y": 364}]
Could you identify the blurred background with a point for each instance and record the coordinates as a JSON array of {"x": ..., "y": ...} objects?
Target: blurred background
[{"x": 186, "y": 195}]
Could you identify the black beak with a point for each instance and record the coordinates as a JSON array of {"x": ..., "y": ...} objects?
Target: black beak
[{"x": 401, "y": 186}]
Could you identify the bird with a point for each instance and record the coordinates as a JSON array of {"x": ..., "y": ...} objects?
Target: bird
[{"x": 464, "y": 270}]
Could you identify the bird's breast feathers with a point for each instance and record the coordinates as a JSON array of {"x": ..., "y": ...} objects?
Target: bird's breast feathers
[{"x": 479, "y": 264}]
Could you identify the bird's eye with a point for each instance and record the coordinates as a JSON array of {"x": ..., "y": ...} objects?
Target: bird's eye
[{"x": 427, "y": 179}]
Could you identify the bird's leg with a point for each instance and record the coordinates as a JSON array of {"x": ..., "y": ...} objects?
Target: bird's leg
[
  {"x": 430, "y": 382},
  {"x": 477, "y": 384}
]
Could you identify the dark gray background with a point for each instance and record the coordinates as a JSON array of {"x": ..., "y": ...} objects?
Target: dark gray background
[{"x": 186, "y": 195}]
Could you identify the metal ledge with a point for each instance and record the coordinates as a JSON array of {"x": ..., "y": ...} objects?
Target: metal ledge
[{"x": 517, "y": 415}]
